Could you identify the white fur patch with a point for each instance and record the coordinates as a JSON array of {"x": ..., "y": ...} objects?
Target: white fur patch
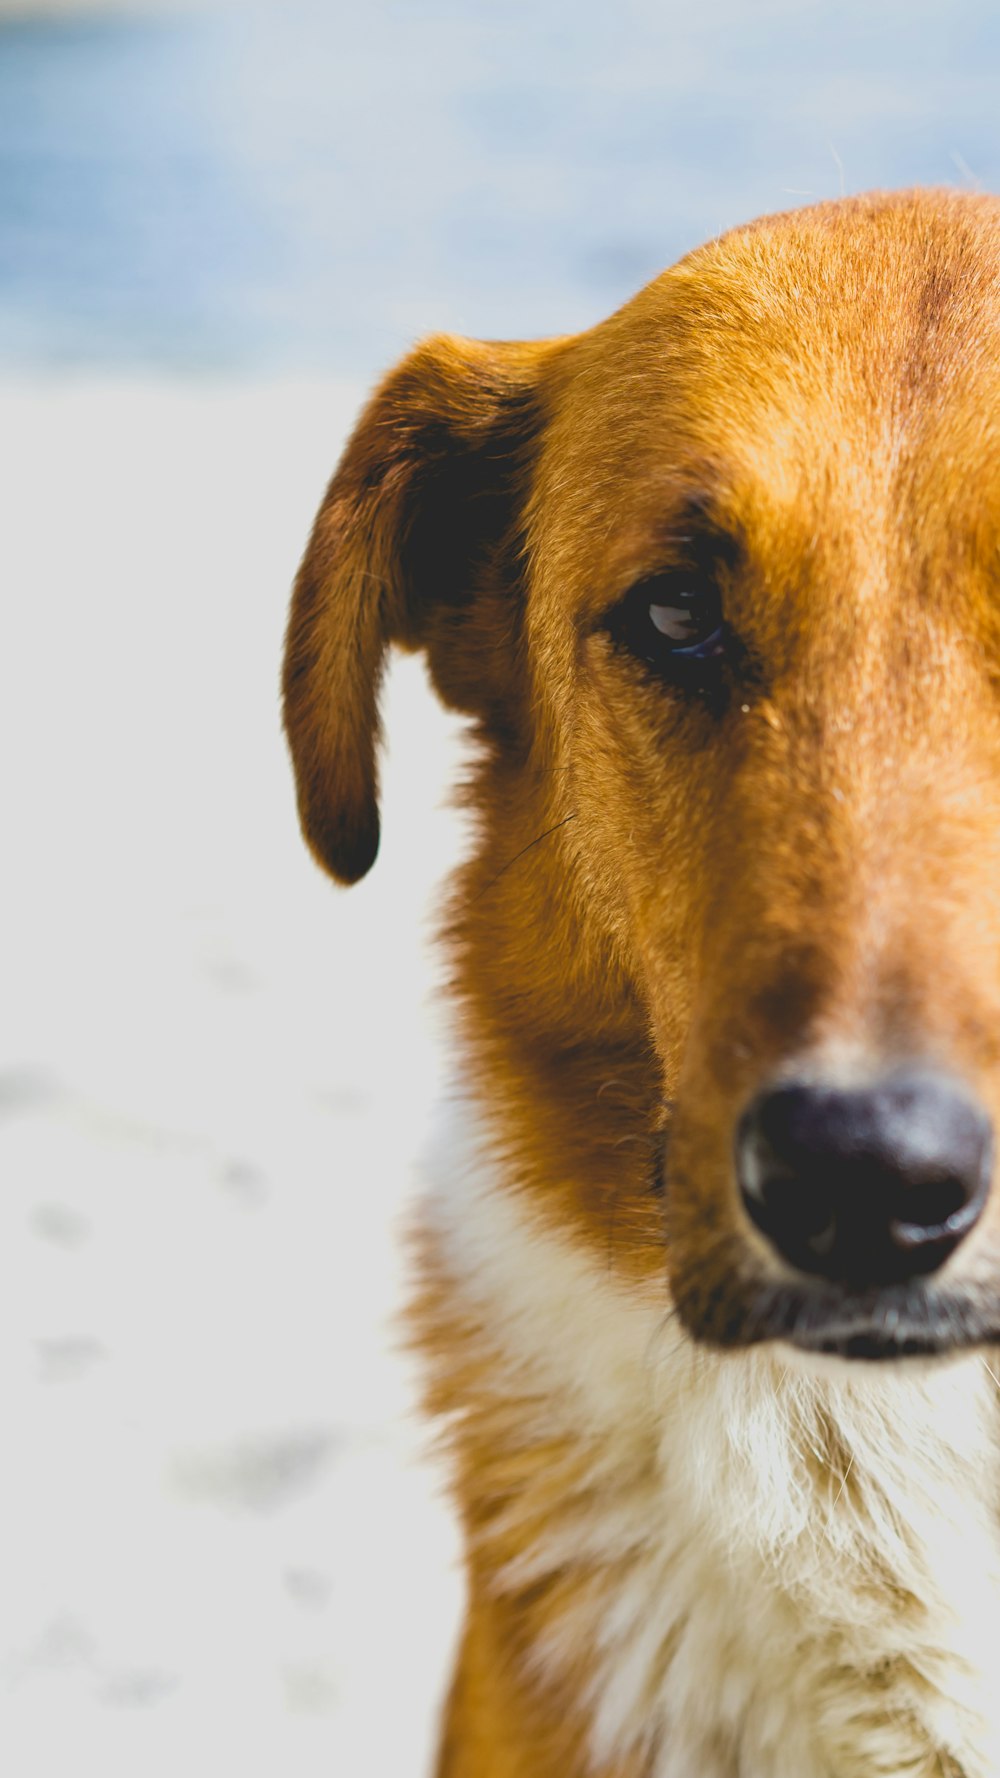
[{"x": 792, "y": 1573}]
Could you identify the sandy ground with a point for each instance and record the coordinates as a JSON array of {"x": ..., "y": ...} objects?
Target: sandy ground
[{"x": 218, "y": 1551}]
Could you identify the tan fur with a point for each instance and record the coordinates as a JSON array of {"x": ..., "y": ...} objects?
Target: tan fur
[{"x": 687, "y": 1556}]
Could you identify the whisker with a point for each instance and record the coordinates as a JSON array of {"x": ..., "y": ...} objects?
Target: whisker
[
  {"x": 990, "y": 1369},
  {"x": 654, "y": 1357},
  {"x": 611, "y": 1233},
  {"x": 847, "y": 1472},
  {"x": 512, "y": 861}
]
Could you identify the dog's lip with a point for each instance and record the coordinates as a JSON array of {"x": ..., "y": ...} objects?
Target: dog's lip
[
  {"x": 875, "y": 1343},
  {"x": 872, "y": 1326}
]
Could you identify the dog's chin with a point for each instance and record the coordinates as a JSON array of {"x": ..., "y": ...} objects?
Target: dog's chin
[{"x": 897, "y": 1324}]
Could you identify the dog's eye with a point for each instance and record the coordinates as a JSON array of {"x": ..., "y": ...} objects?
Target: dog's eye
[
  {"x": 690, "y": 624},
  {"x": 675, "y": 626}
]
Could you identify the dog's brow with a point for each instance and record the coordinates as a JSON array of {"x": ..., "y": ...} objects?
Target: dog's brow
[
  {"x": 675, "y": 526},
  {"x": 699, "y": 528},
  {"x": 704, "y": 515}
]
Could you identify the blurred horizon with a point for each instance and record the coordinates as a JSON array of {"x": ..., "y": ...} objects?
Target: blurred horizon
[{"x": 206, "y": 188}]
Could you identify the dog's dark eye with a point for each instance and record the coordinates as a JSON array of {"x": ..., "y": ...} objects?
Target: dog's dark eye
[{"x": 674, "y": 625}]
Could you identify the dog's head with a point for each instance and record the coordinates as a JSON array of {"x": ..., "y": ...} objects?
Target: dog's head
[{"x": 719, "y": 581}]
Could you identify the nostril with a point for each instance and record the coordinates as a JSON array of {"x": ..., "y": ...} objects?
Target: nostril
[
  {"x": 930, "y": 1204},
  {"x": 805, "y": 1219},
  {"x": 866, "y": 1186}
]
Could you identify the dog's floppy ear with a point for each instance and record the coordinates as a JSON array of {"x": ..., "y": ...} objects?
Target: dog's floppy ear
[{"x": 423, "y": 500}]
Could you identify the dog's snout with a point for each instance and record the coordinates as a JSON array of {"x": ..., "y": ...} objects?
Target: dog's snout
[{"x": 865, "y": 1187}]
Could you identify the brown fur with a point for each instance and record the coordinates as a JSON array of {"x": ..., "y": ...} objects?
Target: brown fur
[{"x": 667, "y": 900}]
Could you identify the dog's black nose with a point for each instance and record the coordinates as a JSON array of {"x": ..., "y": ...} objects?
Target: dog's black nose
[{"x": 869, "y": 1186}]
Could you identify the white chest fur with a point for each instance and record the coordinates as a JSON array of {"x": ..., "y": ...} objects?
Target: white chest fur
[{"x": 783, "y": 1574}]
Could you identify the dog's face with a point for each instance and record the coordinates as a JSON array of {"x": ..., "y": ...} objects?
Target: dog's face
[{"x": 720, "y": 582}]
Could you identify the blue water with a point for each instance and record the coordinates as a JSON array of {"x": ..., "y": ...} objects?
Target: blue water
[{"x": 301, "y": 187}]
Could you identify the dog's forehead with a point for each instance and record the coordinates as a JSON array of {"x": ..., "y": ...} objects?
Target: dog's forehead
[{"x": 841, "y": 360}]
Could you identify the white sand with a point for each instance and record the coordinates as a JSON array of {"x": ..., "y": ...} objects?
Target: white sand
[{"x": 216, "y": 1553}]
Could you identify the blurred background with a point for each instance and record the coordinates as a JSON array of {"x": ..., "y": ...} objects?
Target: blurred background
[{"x": 221, "y": 1548}]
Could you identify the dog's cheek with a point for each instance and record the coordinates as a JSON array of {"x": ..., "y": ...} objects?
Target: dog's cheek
[{"x": 649, "y": 780}]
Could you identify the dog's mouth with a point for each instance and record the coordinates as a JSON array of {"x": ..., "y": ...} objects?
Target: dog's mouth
[{"x": 874, "y": 1326}]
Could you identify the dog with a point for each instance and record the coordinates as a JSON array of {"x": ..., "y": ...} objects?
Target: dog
[{"x": 709, "y": 1269}]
